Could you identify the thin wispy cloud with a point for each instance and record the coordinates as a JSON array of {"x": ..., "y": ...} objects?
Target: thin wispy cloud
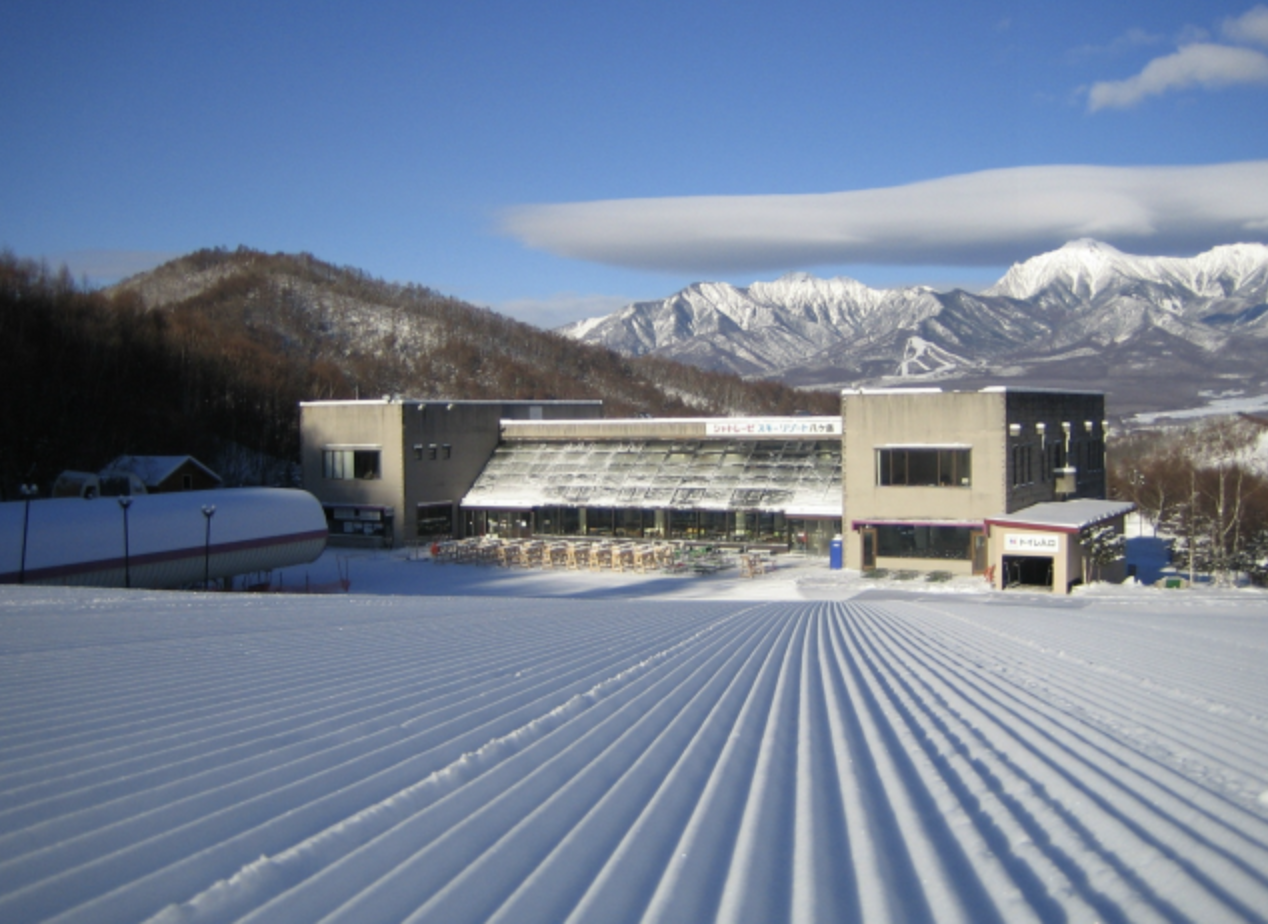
[
  {"x": 1251, "y": 27},
  {"x": 983, "y": 219},
  {"x": 1132, "y": 38},
  {"x": 1198, "y": 63},
  {"x": 1205, "y": 65}
]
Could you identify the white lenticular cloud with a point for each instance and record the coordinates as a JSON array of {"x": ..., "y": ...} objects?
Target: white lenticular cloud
[
  {"x": 987, "y": 218},
  {"x": 1203, "y": 65}
]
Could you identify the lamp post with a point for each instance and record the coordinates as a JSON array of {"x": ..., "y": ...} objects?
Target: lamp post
[
  {"x": 209, "y": 510},
  {"x": 27, "y": 491},
  {"x": 124, "y": 504}
]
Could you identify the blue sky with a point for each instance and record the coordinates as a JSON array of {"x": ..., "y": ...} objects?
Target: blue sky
[{"x": 558, "y": 159}]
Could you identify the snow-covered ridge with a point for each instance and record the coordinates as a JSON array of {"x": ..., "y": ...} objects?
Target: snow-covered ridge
[
  {"x": 1086, "y": 309},
  {"x": 1089, "y": 267}
]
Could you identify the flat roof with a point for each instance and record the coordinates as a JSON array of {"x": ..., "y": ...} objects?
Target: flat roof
[
  {"x": 481, "y": 401},
  {"x": 1064, "y": 516},
  {"x": 682, "y": 429},
  {"x": 915, "y": 521},
  {"x": 988, "y": 390},
  {"x": 800, "y": 418}
]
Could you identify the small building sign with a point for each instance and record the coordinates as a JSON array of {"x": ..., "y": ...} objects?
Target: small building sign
[
  {"x": 773, "y": 427},
  {"x": 1042, "y": 543}
]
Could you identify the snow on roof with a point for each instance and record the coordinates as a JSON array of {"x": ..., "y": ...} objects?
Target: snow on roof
[
  {"x": 153, "y": 470},
  {"x": 1037, "y": 389},
  {"x": 800, "y": 478},
  {"x": 895, "y": 390},
  {"x": 1064, "y": 516},
  {"x": 916, "y": 521},
  {"x": 795, "y": 419},
  {"x": 398, "y": 399},
  {"x": 988, "y": 390}
]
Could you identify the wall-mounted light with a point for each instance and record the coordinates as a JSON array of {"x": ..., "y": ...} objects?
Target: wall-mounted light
[{"x": 1014, "y": 429}]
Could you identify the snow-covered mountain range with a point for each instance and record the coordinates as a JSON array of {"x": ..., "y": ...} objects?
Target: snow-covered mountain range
[{"x": 1155, "y": 332}]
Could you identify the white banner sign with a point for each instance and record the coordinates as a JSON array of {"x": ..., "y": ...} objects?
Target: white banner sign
[
  {"x": 774, "y": 426},
  {"x": 1032, "y": 542}
]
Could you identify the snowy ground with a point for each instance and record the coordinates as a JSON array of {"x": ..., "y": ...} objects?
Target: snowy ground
[
  {"x": 1233, "y": 402},
  {"x": 529, "y": 746}
]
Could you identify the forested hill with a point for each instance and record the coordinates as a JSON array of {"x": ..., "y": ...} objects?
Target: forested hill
[{"x": 211, "y": 353}]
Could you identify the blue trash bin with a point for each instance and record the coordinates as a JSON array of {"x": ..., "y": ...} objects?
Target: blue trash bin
[{"x": 835, "y": 553}]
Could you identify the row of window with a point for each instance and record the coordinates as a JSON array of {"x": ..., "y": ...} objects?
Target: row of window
[
  {"x": 924, "y": 467},
  {"x": 937, "y": 467},
  {"x": 914, "y": 467},
  {"x": 432, "y": 451},
  {"x": 643, "y": 523},
  {"x": 364, "y": 464},
  {"x": 1085, "y": 455}
]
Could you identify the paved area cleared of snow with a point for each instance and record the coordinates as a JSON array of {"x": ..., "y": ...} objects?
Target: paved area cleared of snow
[{"x": 805, "y": 746}]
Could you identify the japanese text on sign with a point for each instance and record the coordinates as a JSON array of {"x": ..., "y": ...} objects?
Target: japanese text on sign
[{"x": 773, "y": 426}]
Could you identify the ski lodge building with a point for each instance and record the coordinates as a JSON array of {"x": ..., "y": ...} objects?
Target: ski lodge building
[
  {"x": 977, "y": 482},
  {"x": 999, "y": 482}
]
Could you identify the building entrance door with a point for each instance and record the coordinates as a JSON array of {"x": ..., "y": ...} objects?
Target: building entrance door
[
  {"x": 1028, "y": 571},
  {"x": 977, "y": 542},
  {"x": 868, "y": 537}
]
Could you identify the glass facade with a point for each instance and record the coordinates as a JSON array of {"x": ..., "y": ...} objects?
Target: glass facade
[
  {"x": 811, "y": 535},
  {"x": 770, "y": 492},
  {"x": 719, "y": 475}
]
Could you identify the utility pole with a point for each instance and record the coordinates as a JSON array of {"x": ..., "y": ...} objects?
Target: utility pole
[
  {"x": 124, "y": 504},
  {"x": 28, "y": 491},
  {"x": 209, "y": 510}
]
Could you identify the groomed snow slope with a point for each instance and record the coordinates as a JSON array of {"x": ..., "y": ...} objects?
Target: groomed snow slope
[{"x": 882, "y": 758}]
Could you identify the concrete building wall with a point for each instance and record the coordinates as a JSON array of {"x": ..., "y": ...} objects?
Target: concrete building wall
[
  {"x": 358, "y": 425},
  {"x": 446, "y": 446},
  {"x": 431, "y": 452},
  {"x": 972, "y": 420},
  {"x": 1017, "y": 437}
]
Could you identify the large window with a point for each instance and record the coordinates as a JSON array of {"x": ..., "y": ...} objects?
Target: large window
[
  {"x": 923, "y": 466},
  {"x": 919, "y": 541},
  {"x": 347, "y": 464},
  {"x": 1023, "y": 468}
]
